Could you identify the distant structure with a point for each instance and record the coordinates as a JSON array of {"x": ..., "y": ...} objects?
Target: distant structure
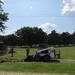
[{"x": 42, "y": 46}]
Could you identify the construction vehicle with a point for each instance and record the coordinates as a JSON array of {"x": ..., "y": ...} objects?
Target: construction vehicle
[{"x": 45, "y": 54}]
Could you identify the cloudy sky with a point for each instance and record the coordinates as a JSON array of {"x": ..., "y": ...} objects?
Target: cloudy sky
[{"x": 49, "y": 15}]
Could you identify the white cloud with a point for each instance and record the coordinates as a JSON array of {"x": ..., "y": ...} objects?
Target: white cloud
[
  {"x": 46, "y": 26},
  {"x": 8, "y": 32},
  {"x": 69, "y": 6}
]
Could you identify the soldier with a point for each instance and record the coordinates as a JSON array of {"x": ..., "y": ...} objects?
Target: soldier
[
  {"x": 27, "y": 51},
  {"x": 59, "y": 55},
  {"x": 11, "y": 51}
]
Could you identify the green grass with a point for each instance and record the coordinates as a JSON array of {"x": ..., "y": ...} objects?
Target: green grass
[
  {"x": 67, "y": 52},
  {"x": 19, "y": 53},
  {"x": 40, "y": 67}
]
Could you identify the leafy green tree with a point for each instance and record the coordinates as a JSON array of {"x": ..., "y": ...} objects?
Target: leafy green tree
[
  {"x": 25, "y": 36},
  {"x": 2, "y": 38},
  {"x": 11, "y": 40},
  {"x": 20, "y": 37},
  {"x": 39, "y": 36},
  {"x": 3, "y": 18},
  {"x": 54, "y": 38},
  {"x": 65, "y": 38},
  {"x": 30, "y": 36},
  {"x": 73, "y": 38}
]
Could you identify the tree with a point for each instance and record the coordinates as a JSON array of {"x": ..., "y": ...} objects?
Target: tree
[
  {"x": 11, "y": 40},
  {"x": 25, "y": 36},
  {"x": 3, "y": 17},
  {"x": 73, "y": 38},
  {"x": 65, "y": 38},
  {"x": 20, "y": 37},
  {"x": 54, "y": 38},
  {"x": 39, "y": 36},
  {"x": 29, "y": 36}
]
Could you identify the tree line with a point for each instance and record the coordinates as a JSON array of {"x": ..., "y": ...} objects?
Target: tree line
[
  {"x": 33, "y": 36},
  {"x": 28, "y": 36}
]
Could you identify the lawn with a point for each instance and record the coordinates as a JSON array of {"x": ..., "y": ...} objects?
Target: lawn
[
  {"x": 40, "y": 67},
  {"x": 67, "y": 52},
  {"x": 19, "y": 53}
]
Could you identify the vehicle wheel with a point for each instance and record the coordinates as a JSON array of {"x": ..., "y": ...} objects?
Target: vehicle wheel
[
  {"x": 37, "y": 58},
  {"x": 46, "y": 58}
]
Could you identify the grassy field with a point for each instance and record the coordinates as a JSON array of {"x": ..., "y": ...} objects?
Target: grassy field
[
  {"x": 66, "y": 52},
  {"x": 40, "y": 67},
  {"x": 19, "y": 53}
]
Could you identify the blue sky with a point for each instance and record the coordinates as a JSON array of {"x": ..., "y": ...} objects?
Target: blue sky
[{"x": 49, "y": 15}]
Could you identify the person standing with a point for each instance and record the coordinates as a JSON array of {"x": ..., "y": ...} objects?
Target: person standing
[
  {"x": 11, "y": 51},
  {"x": 27, "y": 51}
]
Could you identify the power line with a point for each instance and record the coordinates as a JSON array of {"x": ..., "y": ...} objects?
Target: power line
[{"x": 37, "y": 15}]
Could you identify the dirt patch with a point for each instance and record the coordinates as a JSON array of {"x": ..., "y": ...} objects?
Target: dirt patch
[
  {"x": 11, "y": 60},
  {"x": 67, "y": 60},
  {"x": 29, "y": 59},
  {"x": 12, "y": 73}
]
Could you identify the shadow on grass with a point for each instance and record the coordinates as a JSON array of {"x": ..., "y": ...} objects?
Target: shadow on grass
[{"x": 30, "y": 59}]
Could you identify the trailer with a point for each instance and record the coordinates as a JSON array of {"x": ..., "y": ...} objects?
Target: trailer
[{"x": 45, "y": 54}]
